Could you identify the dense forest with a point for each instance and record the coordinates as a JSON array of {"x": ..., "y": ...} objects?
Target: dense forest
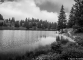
[{"x": 30, "y": 24}]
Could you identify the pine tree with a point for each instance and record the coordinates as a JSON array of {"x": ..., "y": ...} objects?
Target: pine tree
[
  {"x": 26, "y": 23},
  {"x": 1, "y": 17},
  {"x": 79, "y": 12},
  {"x": 62, "y": 19},
  {"x": 71, "y": 21},
  {"x": 13, "y": 20},
  {"x": 78, "y": 15}
]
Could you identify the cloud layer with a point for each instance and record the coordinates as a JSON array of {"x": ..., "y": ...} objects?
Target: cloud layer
[
  {"x": 54, "y": 5},
  {"x": 20, "y": 9}
]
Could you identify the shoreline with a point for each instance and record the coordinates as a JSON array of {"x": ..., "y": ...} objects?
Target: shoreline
[{"x": 23, "y": 28}]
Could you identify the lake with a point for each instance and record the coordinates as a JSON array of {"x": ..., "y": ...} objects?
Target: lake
[{"x": 22, "y": 40}]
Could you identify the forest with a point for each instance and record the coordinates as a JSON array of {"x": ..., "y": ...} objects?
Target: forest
[{"x": 29, "y": 24}]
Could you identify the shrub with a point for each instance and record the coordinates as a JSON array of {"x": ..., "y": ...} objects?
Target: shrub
[
  {"x": 56, "y": 47},
  {"x": 58, "y": 39},
  {"x": 78, "y": 29},
  {"x": 69, "y": 52},
  {"x": 72, "y": 53},
  {"x": 64, "y": 41},
  {"x": 76, "y": 26},
  {"x": 79, "y": 41}
]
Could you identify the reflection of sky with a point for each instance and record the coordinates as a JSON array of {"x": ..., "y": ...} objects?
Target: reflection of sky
[
  {"x": 22, "y": 41},
  {"x": 47, "y": 41},
  {"x": 10, "y": 39}
]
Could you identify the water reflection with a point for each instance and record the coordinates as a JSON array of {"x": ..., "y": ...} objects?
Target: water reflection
[{"x": 10, "y": 39}]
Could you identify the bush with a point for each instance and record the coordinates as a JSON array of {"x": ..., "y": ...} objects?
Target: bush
[
  {"x": 56, "y": 47},
  {"x": 76, "y": 26},
  {"x": 64, "y": 41},
  {"x": 69, "y": 52},
  {"x": 79, "y": 41},
  {"x": 72, "y": 53},
  {"x": 78, "y": 29}
]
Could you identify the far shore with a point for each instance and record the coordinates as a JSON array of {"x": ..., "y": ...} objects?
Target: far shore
[{"x": 23, "y": 28}]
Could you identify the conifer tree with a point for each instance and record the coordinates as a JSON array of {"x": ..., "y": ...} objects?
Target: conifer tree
[
  {"x": 1, "y": 17},
  {"x": 62, "y": 19},
  {"x": 79, "y": 12},
  {"x": 71, "y": 21}
]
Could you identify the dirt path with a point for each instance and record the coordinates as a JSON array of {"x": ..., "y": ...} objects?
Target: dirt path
[{"x": 67, "y": 36}]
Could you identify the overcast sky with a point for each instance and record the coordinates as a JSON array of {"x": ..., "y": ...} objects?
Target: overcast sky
[{"x": 42, "y": 9}]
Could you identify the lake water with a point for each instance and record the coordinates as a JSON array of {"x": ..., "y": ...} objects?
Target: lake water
[{"x": 17, "y": 40}]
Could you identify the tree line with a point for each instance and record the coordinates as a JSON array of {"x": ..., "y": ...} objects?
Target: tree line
[{"x": 28, "y": 23}]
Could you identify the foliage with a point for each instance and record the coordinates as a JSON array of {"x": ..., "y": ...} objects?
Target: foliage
[
  {"x": 1, "y": 17},
  {"x": 71, "y": 21},
  {"x": 78, "y": 14},
  {"x": 57, "y": 46},
  {"x": 77, "y": 29},
  {"x": 62, "y": 19},
  {"x": 31, "y": 24},
  {"x": 70, "y": 53},
  {"x": 79, "y": 41},
  {"x": 17, "y": 24}
]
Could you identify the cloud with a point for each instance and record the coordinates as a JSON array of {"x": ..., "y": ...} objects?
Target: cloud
[
  {"x": 25, "y": 8},
  {"x": 54, "y": 5},
  {"x": 8, "y": 0},
  {"x": 20, "y": 9}
]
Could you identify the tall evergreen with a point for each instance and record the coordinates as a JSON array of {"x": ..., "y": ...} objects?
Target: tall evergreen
[
  {"x": 71, "y": 21},
  {"x": 79, "y": 12},
  {"x": 1, "y": 17},
  {"x": 13, "y": 20},
  {"x": 62, "y": 19}
]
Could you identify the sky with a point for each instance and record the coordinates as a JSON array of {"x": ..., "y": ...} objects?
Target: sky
[{"x": 39, "y": 9}]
